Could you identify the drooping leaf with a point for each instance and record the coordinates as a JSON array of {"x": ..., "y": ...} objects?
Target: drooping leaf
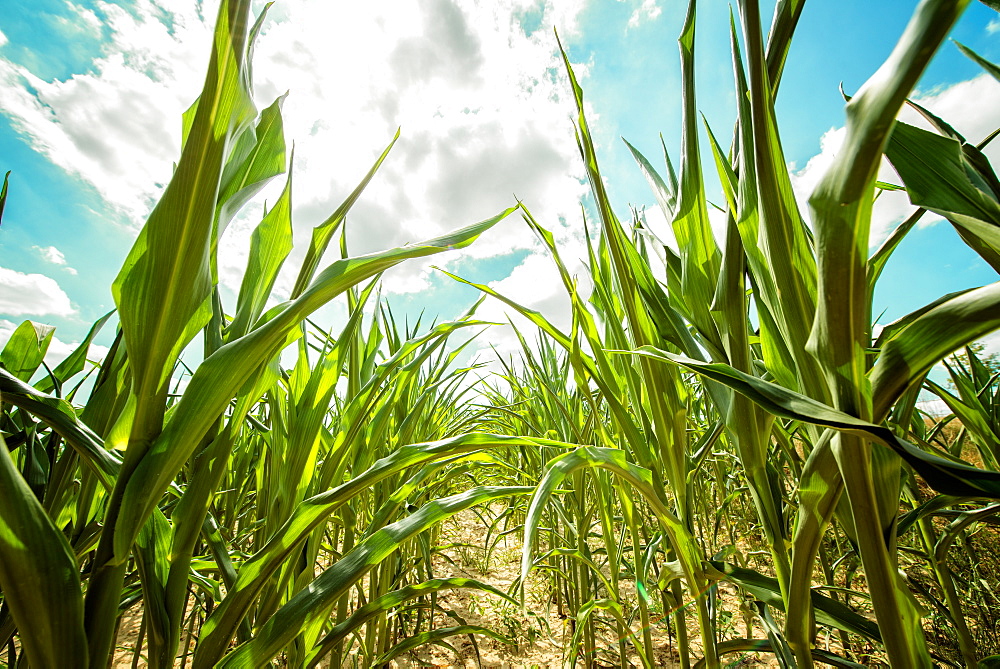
[
  {"x": 946, "y": 476},
  {"x": 928, "y": 338},
  {"x": 829, "y": 611},
  {"x": 253, "y": 574},
  {"x": 59, "y": 414},
  {"x": 217, "y": 379},
  {"x": 391, "y": 600},
  {"x": 249, "y": 170},
  {"x": 435, "y": 636},
  {"x": 937, "y": 175}
]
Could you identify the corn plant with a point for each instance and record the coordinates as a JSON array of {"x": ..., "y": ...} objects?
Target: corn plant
[
  {"x": 721, "y": 415},
  {"x": 807, "y": 356},
  {"x": 130, "y": 488}
]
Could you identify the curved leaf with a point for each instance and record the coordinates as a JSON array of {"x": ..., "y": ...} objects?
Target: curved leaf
[
  {"x": 253, "y": 574},
  {"x": 389, "y": 601},
  {"x": 829, "y": 611},
  {"x": 23, "y": 353},
  {"x": 946, "y": 476},
  {"x": 61, "y": 417},
  {"x": 434, "y": 636},
  {"x": 218, "y": 378},
  {"x": 322, "y": 594},
  {"x": 928, "y": 339}
]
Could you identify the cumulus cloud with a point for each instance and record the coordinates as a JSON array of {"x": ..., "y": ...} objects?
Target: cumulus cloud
[
  {"x": 647, "y": 11},
  {"x": 60, "y": 350},
  {"x": 3, "y": 38},
  {"x": 116, "y": 126},
  {"x": 31, "y": 295},
  {"x": 484, "y": 109},
  {"x": 51, "y": 254},
  {"x": 55, "y": 256},
  {"x": 992, "y": 27}
]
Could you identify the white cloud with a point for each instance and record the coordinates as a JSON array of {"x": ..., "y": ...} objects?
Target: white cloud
[
  {"x": 117, "y": 126},
  {"x": 993, "y": 26},
  {"x": 31, "y": 295},
  {"x": 55, "y": 256},
  {"x": 484, "y": 108},
  {"x": 80, "y": 21},
  {"x": 51, "y": 254},
  {"x": 936, "y": 408},
  {"x": 647, "y": 11},
  {"x": 971, "y": 107},
  {"x": 3, "y": 38}
]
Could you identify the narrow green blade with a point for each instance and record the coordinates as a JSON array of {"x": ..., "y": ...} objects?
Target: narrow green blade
[{"x": 38, "y": 576}]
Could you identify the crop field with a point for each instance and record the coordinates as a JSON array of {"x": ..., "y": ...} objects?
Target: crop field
[{"x": 720, "y": 462}]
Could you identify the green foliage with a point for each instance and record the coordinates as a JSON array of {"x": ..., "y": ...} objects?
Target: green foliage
[
  {"x": 145, "y": 488},
  {"x": 716, "y": 428}
]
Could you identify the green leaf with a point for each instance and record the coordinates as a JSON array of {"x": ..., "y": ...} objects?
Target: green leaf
[
  {"x": 307, "y": 516},
  {"x": 163, "y": 291},
  {"x": 75, "y": 361},
  {"x": 251, "y": 167},
  {"x": 38, "y": 576},
  {"x": 323, "y": 233},
  {"x": 614, "y": 460},
  {"x": 974, "y": 417},
  {"x": 328, "y": 587},
  {"x": 270, "y": 244},
  {"x": 929, "y": 338},
  {"x": 991, "y": 68},
  {"x": 59, "y": 414},
  {"x": 223, "y": 373},
  {"x": 829, "y": 611},
  {"x": 700, "y": 257},
  {"x": 153, "y": 563},
  {"x": 391, "y": 600},
  {"x": 435, "y": 636},
  {"x": 3, "y": 194},
  {"x": 945, "y": 476},
  {"x": 780, "y": 257},
  {"x": 666, "y": 196},
  {"x": 779, "y": 39},
  {"x": 938, "y": 176},
  {"x": 758, "y": 645},
  {"x": 25, "y": 350}
]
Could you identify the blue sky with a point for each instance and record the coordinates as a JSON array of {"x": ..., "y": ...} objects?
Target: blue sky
[{"x": 92, "y": 92}]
